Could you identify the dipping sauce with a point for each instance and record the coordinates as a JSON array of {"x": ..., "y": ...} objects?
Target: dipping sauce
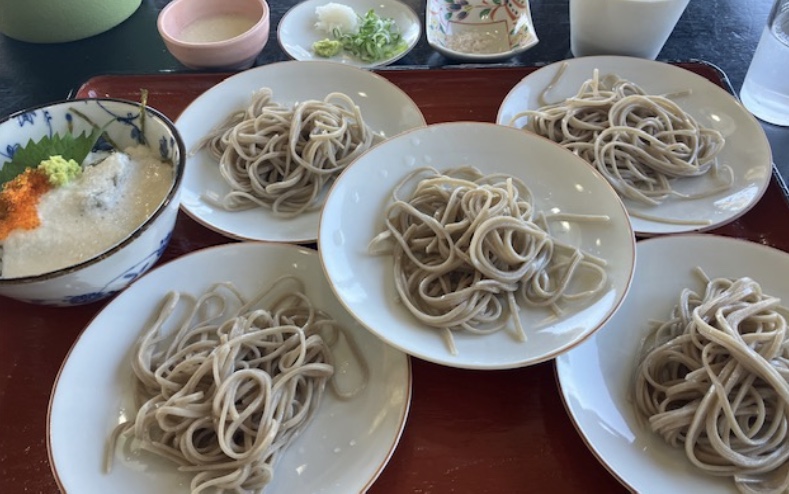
[
  {"x": 217, "y": 28},
  {"x": 91, "y": 214}
]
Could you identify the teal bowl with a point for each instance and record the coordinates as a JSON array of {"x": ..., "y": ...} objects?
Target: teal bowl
[{"x": 57, "y": 21}]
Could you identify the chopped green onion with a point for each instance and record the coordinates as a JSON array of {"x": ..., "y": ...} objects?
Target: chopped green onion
[{"x": 376, "y": 39}]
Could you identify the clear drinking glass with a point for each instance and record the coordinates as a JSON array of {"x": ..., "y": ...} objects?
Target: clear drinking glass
[{"x": 765, "y": 91}]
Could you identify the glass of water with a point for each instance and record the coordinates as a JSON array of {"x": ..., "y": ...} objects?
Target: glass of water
[{"x": 765, "y": 91}]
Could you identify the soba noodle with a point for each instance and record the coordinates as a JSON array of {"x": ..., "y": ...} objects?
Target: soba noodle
[
  {"x": 223, "y": 386},
  {"x": 283, "y": 157},
  {"x": 641, "y": 143},
  {"x": 468, "y": 249},
  {"x": 713, "y": 381}
]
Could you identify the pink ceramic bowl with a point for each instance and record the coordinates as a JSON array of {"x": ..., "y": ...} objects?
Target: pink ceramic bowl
[{"x": 214, "y": 34}]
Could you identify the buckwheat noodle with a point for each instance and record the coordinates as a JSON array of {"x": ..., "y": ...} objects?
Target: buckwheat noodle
[
  {"x": 469, "y": 249},
  {"x": 231, "y": 384},
  {"x": 713, "y": 380},
  {"x": 283, "y": 157},
  {"x": 640, "y": 143}
]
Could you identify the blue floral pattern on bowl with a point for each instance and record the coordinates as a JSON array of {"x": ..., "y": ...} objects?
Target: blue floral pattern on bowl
[
  {"x": 133, "y": 121},
  {"x": 111, "y": 288}
]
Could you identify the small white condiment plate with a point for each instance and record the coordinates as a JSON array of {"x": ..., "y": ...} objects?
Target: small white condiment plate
[
  {"x": 384, "y": 106},
  {"x": 596, "y": 376},
  {"x": 746, "y": 150},
  {"x": 344, "y": 448},
  {"x": 296, "y": 31},
  {"x": 561, "y": 182}
]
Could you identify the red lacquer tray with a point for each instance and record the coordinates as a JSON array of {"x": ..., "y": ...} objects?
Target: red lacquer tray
[{"x": 467, "y": 431}]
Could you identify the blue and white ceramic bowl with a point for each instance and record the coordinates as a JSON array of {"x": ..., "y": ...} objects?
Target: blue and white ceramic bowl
[{"x": 126, "y": 123}]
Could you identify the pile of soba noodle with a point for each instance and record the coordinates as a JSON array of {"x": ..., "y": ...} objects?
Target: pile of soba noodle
[
  {"x": 713, "y": 381},
  {"x": 468, "y": 249},
  {"x": 283, "y": 157},
  {"x": 223, "y": 386},
  {"x": 639, "y": 142}
]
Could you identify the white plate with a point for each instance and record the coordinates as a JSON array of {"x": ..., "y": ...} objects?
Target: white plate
[
  {"x": 354, "y": 214},
  {"x": 296, "y": 31},
  {"x": 746, "y": 151},
  {"x": 595, "y": 377},
  {"x": 384, "y": 106},
  {"x": 343, "y": 450}
]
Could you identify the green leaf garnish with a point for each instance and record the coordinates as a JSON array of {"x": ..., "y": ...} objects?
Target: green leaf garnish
[{"x": 68, "y": 146}]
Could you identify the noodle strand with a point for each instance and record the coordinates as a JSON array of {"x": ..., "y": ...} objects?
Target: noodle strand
[
  {"x": 283, "y": 158},
  {"x": 640, "y": 143},
  {"x": 469, "y": 250},
  {"x": 714, "y": 381},
  {"x": 225, "y": 388}
]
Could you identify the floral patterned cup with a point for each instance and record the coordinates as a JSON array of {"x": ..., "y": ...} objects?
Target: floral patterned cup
[{"x": 480, "y": 30}]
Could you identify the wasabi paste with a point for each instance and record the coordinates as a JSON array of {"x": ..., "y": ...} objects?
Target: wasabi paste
[{"x": 327, "y": 47}]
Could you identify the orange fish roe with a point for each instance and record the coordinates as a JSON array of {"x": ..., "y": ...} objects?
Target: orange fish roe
[{"x": 19, "y": 200}]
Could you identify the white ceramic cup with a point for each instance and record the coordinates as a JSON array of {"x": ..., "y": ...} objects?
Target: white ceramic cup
[{"x": 637, "y": 28}]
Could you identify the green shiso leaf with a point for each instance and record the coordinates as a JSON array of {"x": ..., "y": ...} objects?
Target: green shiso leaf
[{"x": 68, "y": 146}]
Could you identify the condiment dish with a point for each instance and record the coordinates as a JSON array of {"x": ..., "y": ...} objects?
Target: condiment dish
[
  {"x": 479, "y": 30},
  {"x": 297, "y": 30},
  {"x": 125, "y": 124},
  {"x": 212, "y": 35}
]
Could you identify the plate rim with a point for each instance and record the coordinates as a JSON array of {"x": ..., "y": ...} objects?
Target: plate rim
[
  {"x": 722, "y": 92},
  {"x": 292, "y": 249}
]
